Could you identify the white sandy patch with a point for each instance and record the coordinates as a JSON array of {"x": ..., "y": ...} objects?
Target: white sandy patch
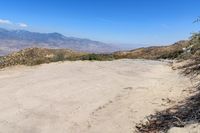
[{"x": 86, "y": 97}]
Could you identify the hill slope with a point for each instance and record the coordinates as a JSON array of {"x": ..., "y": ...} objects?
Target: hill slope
[
  {"x": 155, "y": 52},
  {"x": 36, "y": 56}
]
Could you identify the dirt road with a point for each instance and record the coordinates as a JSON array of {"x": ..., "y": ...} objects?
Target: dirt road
[{"x": 86, "y": 97}]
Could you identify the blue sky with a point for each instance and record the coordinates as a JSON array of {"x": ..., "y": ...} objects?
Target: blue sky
[{"x": 127, "y": 22}]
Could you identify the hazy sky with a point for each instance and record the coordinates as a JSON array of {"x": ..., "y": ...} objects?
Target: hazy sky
[{"x": 114, "y": 21}]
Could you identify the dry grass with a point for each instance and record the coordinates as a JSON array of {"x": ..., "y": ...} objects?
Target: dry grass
[
  {"x": 36, "y": 56},
  {"x": 178, "y": 116},
  {"x": 161, "y": 52}
]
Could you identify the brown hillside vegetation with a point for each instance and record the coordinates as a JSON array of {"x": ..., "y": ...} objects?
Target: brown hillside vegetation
[
  {"x": 36, "y": 56},
  {"x": 156, "y": 52}
]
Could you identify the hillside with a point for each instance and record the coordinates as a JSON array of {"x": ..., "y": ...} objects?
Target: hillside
[
  {"x": 182, "y": 50},
  {"x": 156, "y": 52},
  {"x": 36, "y": 56},
  {"x": 15, "y": 40}
]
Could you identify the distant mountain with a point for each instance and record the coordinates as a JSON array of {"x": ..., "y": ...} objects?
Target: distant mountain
[{"x": 14, "y": 40}]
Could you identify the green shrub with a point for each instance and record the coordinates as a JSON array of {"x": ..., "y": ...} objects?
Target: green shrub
[
  {"x": 98, "y": 57},
  {"x": 59, "y": 57}
]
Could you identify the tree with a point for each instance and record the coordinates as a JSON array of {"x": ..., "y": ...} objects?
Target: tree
[{"x": 197, "y": 20}]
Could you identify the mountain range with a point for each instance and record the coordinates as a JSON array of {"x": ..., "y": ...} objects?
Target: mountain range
[{"x": 15, "y": 40}]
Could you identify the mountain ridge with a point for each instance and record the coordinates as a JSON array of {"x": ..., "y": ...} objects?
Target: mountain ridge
[{"x": 15, "y": 40}]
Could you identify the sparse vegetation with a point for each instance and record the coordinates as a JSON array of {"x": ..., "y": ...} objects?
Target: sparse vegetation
[
  {"x": 59, "y": 57},
  {"x": 159, "y": 52},
  {"x": 98, "y": 57},
  {"x": 36, "y": 56}
]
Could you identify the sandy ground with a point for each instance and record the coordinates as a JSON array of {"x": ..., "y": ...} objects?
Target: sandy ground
[
  {"x": 86, "y": 97},
  {"x": 192, "y": 128}
]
